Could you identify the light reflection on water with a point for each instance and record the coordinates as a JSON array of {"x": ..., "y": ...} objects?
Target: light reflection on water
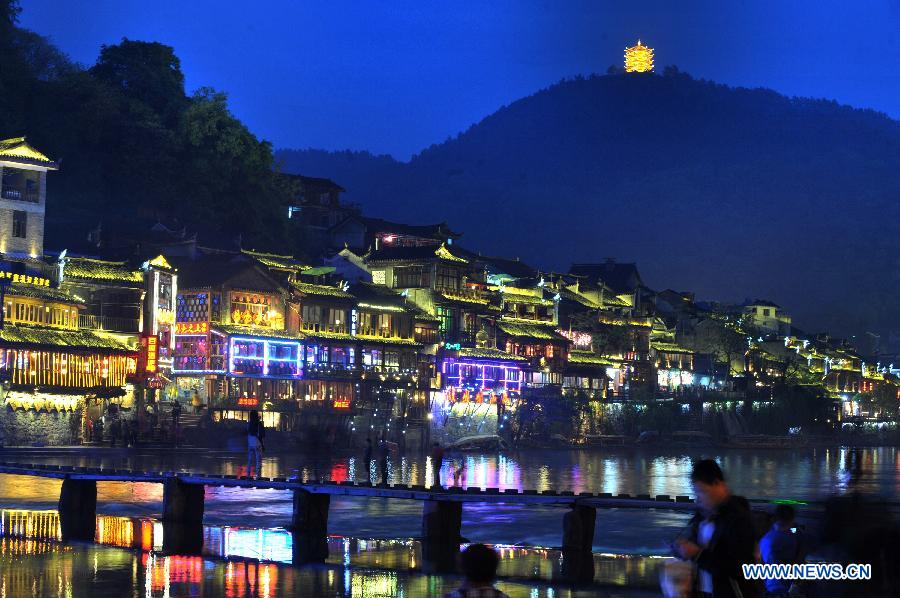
[
  {"x": 244, "y": 561},
  {"x": 806, "y": 474}
]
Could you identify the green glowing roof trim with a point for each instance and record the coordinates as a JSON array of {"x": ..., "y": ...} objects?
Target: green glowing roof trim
[
  {"x": 318, "y": 271},
  {"x": 666, "y": 347},
  {"x": 588, "y": 358},
  {"x": 464, "y": 298},
  {"x": 525, "y": 299},
  {"x": 532, "y": 331},
  {"x": 488, "y": 353}
]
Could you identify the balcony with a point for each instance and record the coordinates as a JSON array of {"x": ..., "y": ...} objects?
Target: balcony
[
  {"x": 108, "y": 323},
  {"x": 463, "y": 294},
  {"x": 20, "y": 194},
  {"x": 314, "y": 327}
]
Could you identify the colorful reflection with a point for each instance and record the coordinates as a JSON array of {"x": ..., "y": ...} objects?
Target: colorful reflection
[{"x": 244, "y": 561}]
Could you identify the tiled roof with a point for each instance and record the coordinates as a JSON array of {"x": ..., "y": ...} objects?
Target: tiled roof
[
  {"x": 319, "y": 289},
  {"x": 237, "y": 271},
  {"x": 378, "y": 297},
  {"x": 326, "y": 335},
  {"x": 516, "y": 296},
  {"x": 85, "y": 268},
  {"x": 489, "y": 353},
  {"x": 667, "y": 347},
  {"x": 426, "y": 231},
  {"x": 318, "y": 271},
  {"x": 19, "y": 289},
  {"x": 614, "y": 301},
  {"x": 566, "y": 294},
  {"x": 17, "y": 149},
  {"x": 760, "y": 302},
  {"x": 316, "y": 182},
  {"x": 273, "y": 260},
  {"x": 620, "y": 277},
  {"x": 464, "y": 299},
  {"x": 418, "y": 253},
  {"x": 387, "y": 341},
  {"x": 588, "y": 358},
  {"x": 257, "y": 332},
  {"x": 12, "y": 334},
  {"x": 532, "y": 331}
]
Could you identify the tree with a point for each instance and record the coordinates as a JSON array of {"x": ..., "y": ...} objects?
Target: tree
[
  {"x": 134, "y": 144},
  {"x": 15, "y": 78},
  {"x": 725, "y": 343},
  {"x": 147, "y": 73},
  {"x": 230, "y": 175}
]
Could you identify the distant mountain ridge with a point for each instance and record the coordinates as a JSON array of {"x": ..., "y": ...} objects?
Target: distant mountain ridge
[{"x": 729, "y": 192}]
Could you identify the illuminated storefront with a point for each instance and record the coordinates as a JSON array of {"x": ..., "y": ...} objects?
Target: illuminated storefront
[
  {"x": 477, "y": 389},
  {"x": 674, "y": 366},
  {"x": 59, "y": 379}
]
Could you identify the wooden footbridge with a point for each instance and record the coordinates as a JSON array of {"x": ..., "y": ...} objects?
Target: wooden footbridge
[{"x": 183, "y": 507}]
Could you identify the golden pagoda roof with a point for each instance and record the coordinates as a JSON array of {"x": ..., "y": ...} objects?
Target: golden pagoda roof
[{"x": 17, "y": 149}]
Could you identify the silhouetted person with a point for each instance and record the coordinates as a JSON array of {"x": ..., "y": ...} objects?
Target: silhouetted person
[
  {"x": 256, "y": 434},
  {"x": 437, "y": 460},
  {"x": 479, "y": 565},
  {"x": 720, "y": 537},
  {"x": 783, "y": 544}
]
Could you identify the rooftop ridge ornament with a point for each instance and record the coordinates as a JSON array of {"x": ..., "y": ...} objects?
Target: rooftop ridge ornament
[{"x": 639, "y": 58}]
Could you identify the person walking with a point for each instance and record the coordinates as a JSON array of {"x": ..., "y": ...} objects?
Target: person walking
[
  {"x": 721, "y": 537},
  {"x": 437, "y": 461},
  {"x": 783, "y": 544},
  {"x": 479, "y": 565},
  {"x": 196, "y": 402},
  {"x": 256, "y": 434}
]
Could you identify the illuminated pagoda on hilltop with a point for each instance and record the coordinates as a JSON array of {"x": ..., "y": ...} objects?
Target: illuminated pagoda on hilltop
[{"x": 639, "y": 58}]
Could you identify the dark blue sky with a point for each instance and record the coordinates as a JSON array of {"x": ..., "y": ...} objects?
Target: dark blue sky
[{"x": 394, "y": 77}]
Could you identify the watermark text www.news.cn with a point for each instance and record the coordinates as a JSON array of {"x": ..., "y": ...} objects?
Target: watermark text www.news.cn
[{"x": 808, "y": 571}]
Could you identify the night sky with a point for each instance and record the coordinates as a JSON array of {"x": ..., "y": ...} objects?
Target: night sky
[{"x": 360, "y": 75}]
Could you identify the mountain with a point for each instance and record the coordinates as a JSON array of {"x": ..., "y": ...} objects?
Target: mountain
[{"x": 730, "y": 192}]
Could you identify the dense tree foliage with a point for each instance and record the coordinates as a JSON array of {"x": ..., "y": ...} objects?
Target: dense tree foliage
[{"x": 133, "y": 143}]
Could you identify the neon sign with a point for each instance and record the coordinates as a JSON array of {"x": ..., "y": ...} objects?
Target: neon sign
[
  {"x": 150, "y": 344},
  {"x": 248, "y": 402},
  {"x": 341, "y": 404},
  {"x": 191, "y": 327},
  {"x": 255, "y": 357},
  {"x": 453, "y": 346},
  {"x": 25, "y": 278}
]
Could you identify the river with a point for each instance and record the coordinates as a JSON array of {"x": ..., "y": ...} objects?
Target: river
[{"x": 805, "y": 474}]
